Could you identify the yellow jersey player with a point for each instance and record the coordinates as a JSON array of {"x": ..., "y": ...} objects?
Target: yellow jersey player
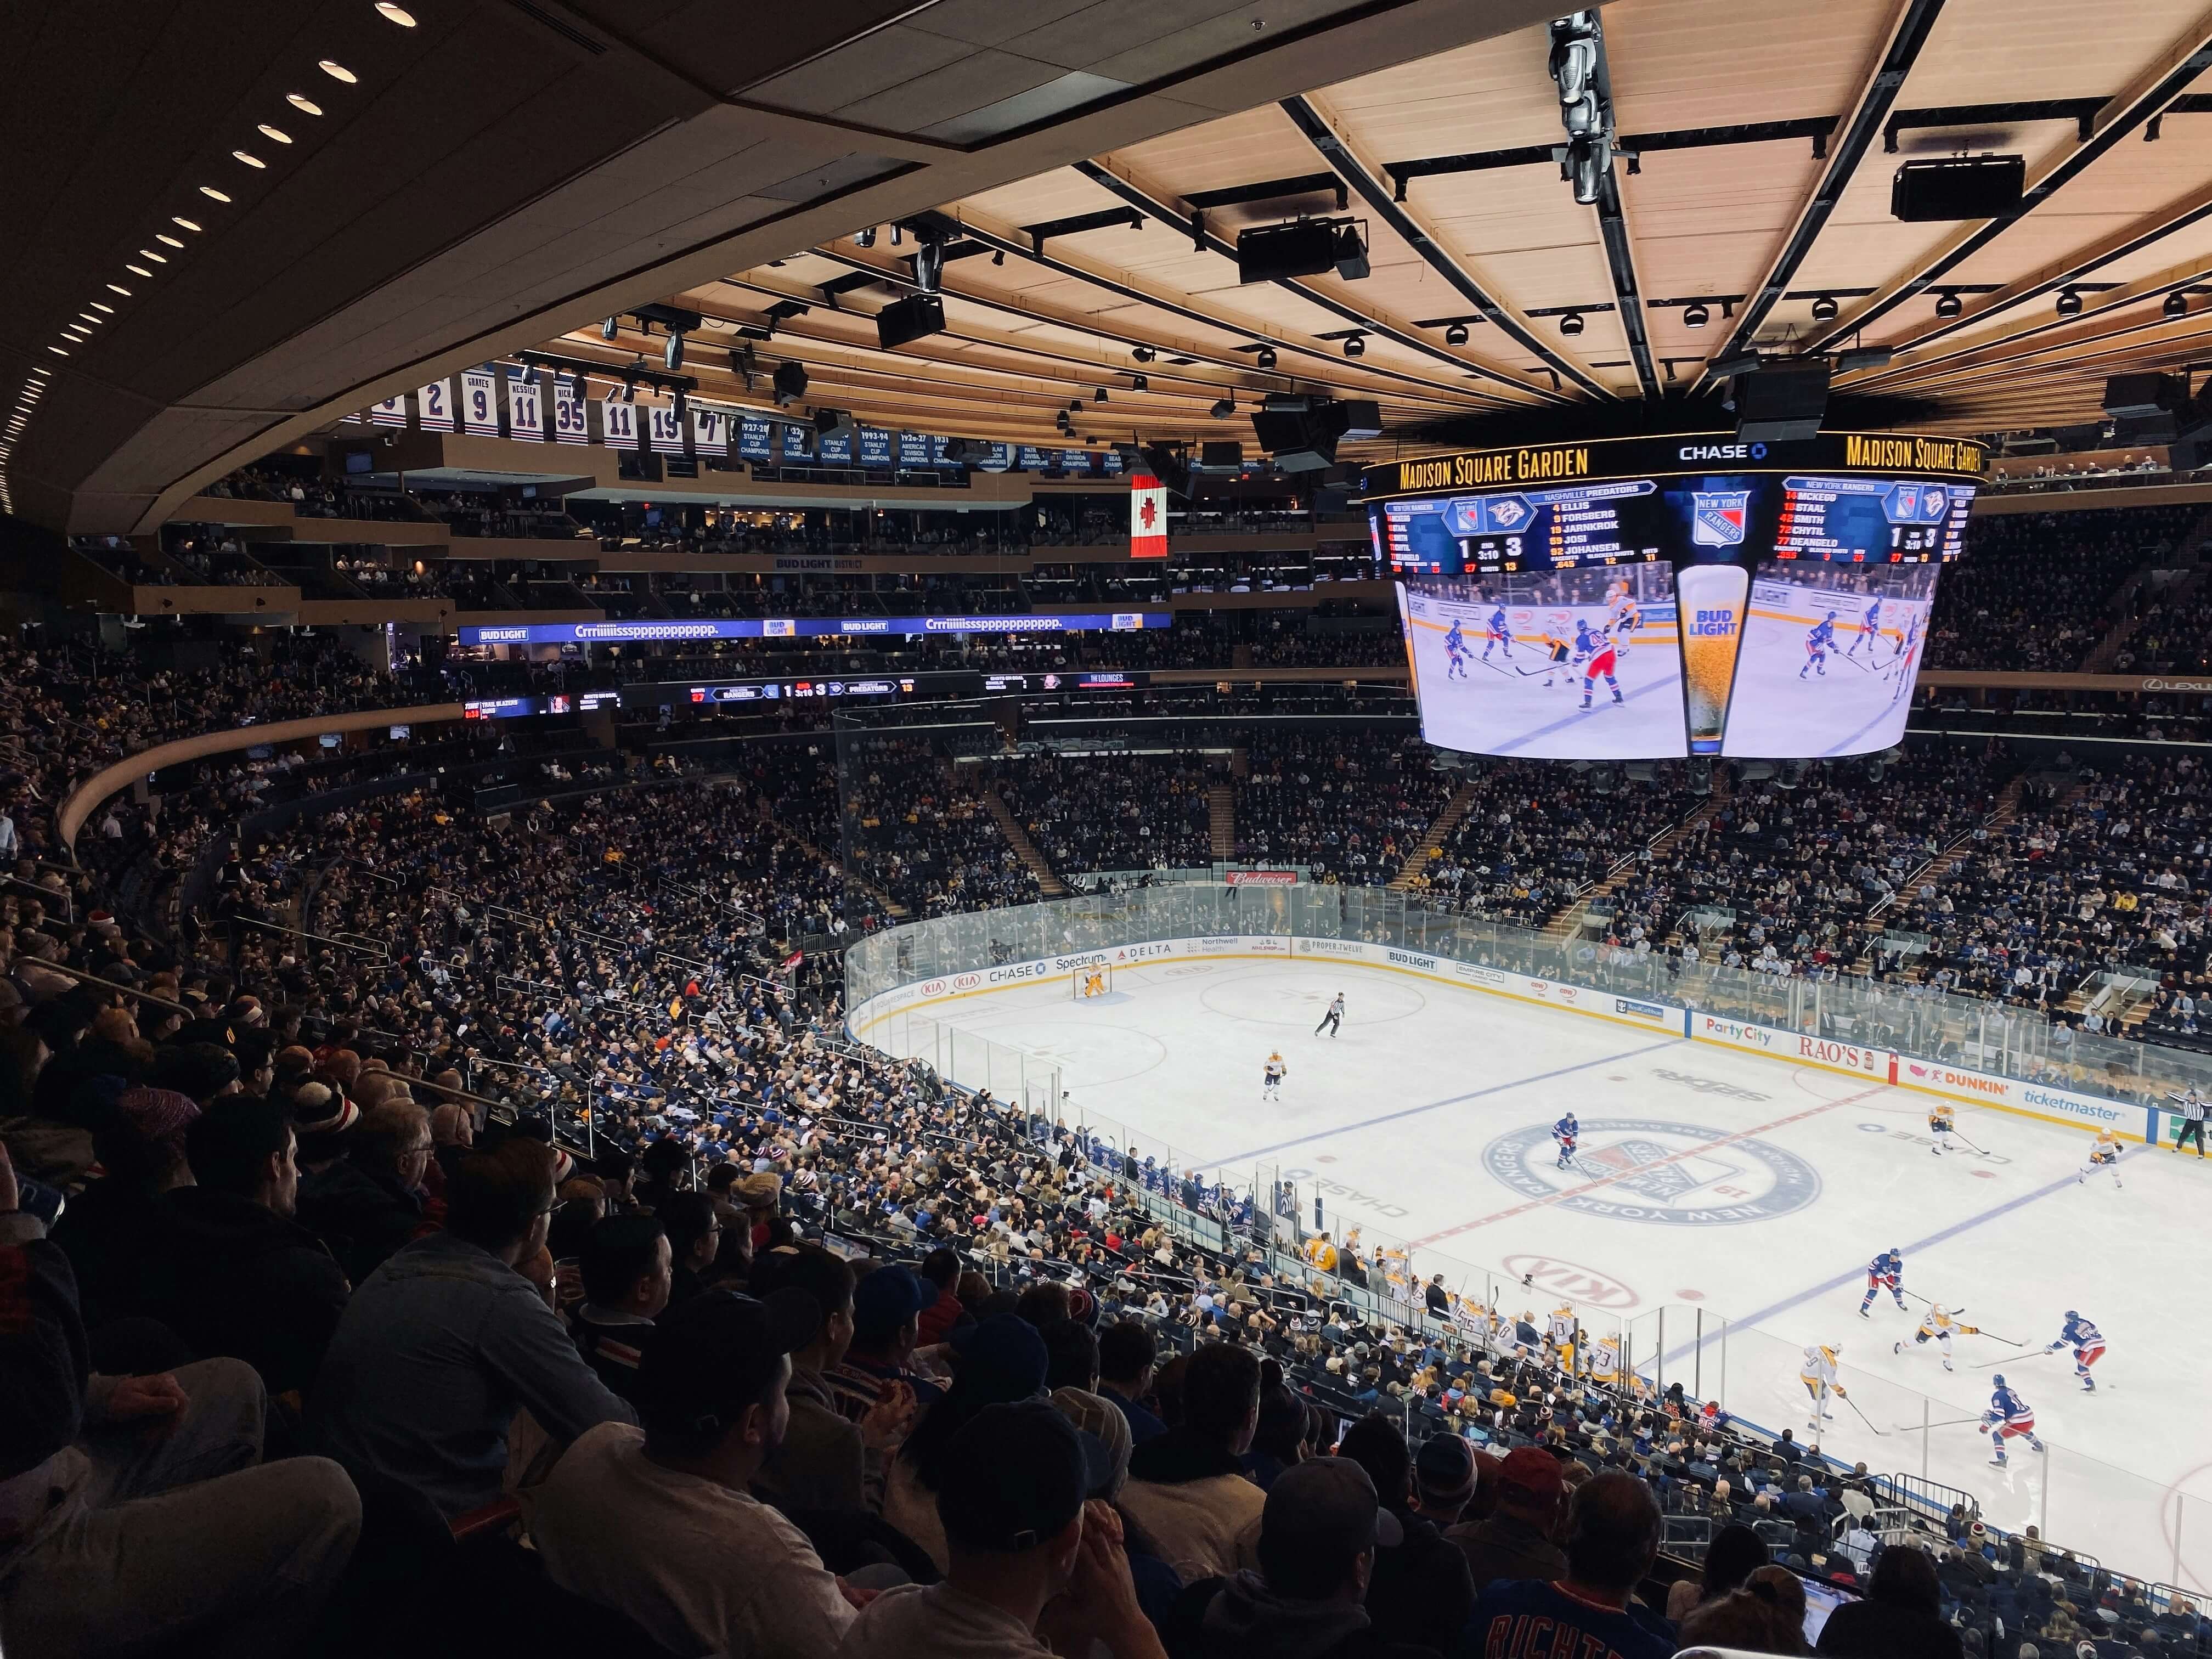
[
  {"x": 1818, "y": 1374},
  {"x": 1940, "y": 1122},
  {"x": 2104, "y": 1154},
  {"x": 1558, "y": 656},
  {"x": 1094, "y": 982},
  {"x": 1622, "y": 618},
  {"x": 1559, "y": 1336},
  {"x": 1939, "y": 1325},
  {"x": 1271, "y": 1078}
]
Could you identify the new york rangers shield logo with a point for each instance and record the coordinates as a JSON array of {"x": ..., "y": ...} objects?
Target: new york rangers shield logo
[{"x": 1717, "y": 517}]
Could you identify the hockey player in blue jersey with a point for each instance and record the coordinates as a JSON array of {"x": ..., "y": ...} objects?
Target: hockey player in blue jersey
[
  {"x": 1869, "y": 633},
  {"x": 1817, "y": 644},
  {"x": 2087, "y": 1343},
  {"x": 1596, "y": 653},
  {"x": 1456, "y": 649},
  {"x": 1567, "y": 1132},
  {"x": 1497, "y": 634},
  {"x": 2007, "y": 1417},
  {"x": 1885, "y": 1272}
]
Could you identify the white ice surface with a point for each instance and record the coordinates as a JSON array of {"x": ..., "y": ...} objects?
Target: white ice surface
[{"x": 1396, "y": 1115}]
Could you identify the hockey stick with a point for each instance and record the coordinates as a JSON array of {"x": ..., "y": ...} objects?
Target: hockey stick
[
  {"x": 1971, "y": 1147},
  {"x": 1985, "y": 1364},
  {"x": 1947, "y": 1423},
  {"x": 1864, "y": 1418}
]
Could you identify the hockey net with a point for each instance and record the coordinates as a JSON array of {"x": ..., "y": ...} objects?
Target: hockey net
[{"x": 1092, "y": 982}]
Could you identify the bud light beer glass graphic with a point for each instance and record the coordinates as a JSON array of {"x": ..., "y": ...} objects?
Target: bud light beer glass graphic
[{"x": 1712, "y": 599}]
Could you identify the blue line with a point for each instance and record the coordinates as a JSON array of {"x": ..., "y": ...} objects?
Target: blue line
[
  {"x": 1452, "y": 1100},
  {"x": 1927, "y": 1243}
]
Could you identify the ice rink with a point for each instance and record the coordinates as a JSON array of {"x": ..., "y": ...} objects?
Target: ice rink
[
  {"x": 1859, "y": 703},
  {"x": 1709, "y": 1179}
]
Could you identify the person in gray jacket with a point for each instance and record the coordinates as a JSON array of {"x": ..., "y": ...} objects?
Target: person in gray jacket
[{"x": 444, "y": 1343}]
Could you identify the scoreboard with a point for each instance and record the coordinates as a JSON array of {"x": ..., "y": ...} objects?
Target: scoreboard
[{"x": 1872, "y": 520}]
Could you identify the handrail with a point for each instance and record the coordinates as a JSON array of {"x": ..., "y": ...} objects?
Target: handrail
[{"x": 110, "y": 985}]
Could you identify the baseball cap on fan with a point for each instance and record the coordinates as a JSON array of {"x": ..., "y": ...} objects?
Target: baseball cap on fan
[
  {"x": 1015, "y": 1475},
  {"x": 712, "y": 1356}
]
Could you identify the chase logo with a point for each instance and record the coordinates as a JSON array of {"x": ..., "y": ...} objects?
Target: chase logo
[{"x": 1673, "y": 1175}]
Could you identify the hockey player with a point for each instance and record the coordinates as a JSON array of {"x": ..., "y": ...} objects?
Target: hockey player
[
  {"x": 2087, "y": 1343},
  {"x": 1597, "y": 654},
  {"x": 1559, "y": 1333},
  {"x": 1496, "y": 634},
  {"x": 2007, "y": 1417},
  {"x": 1817, "y": 644},
  {"x": 1456, "y": 649},
  {"x": 1567, "y": 1132},
  {"x": 1557, "y": 652},
  {"x": 1940, "y": 1122},
  {"x": 1902, "y": 662},
  {"x": 1939, "y": 1325},
  {"x": 1094, "y": 982},
  {"x": 1334, "y": 1019},
  {"x": 1818, "y": 1374},
  {"x": 2104, "y": 1154},
  {"x": 1622, "y": 617},
  {"x": 1869, "y": 633},
  {"x": 1271, "y": 1078},
  {"x": 1885, "y": 1272}
]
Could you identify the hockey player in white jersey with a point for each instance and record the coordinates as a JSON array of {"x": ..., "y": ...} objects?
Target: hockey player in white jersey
[
  {"x": 1818, "y": 1374},
  {"x": 1941, "y": 1324}
]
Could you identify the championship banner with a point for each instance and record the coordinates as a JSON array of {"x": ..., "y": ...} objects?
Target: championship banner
[
  {"x": 836, "y": 448},
  {"x": 710, "y": 431},
  {"x": 480, "y": 403},
  {"x": 569, "y": 425},
  {"x": 525, "y": 406},
  {"x": 755, "y": 438},
  {"x": 1148, "y": 517},
  {"x": 798, "y": 443},
  {"x": 875, "y": 446},
  {"x": 618, "y": 423},
  {"x": 392, "y": 411},
  {"x": 913, "y": 449},
  {"x": 664, "y": 428},
  {"x": 434, "y": 406}
]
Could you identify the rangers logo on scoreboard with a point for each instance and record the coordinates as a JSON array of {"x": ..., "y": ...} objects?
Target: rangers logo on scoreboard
[{"x": 1717, "y": 517}]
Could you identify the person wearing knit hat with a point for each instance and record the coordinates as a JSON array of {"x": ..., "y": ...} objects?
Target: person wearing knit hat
[{"x": 1097, "y": 1415}]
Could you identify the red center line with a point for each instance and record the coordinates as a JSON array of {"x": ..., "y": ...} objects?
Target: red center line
[{"x": 1673, "y": 1157}]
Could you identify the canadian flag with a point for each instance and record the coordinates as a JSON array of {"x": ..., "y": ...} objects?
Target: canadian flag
[{"x": 1148, "y": 517}]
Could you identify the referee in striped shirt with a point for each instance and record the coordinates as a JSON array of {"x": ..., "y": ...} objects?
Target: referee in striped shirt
[{"x": 2191, "y": 1106}]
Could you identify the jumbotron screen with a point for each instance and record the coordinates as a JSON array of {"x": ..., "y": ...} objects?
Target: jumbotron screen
[{"x": 1647, "y": 598}]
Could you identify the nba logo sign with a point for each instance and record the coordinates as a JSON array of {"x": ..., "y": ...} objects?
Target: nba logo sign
[{"x": 1717, "y": 517}]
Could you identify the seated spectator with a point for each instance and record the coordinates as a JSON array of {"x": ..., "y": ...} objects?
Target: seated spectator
[
  {"x": 1732, "y": 1555},
  {"x": 1127, "y": 1350},
  {"x": 999, "y": 1360},
  {"x": 135, "y": 1512},
  {"x": 108, "y": 1229},
  {"x": 231, "y": 1272},
  {"x": 1444, "y": 1479},
  {"x": 887, "y": 1308},
  {"x": 1516, "y": 1541},
  {"x": 1419, "y": 1591},
  {"x": 1071, "y": 1356},
  {"x": 1765, "y": 1614},
  {"x": 695, "y": 1238},
  {"x": 1613, "y": 1538},
  {"x": 448, "y": 1340},
  {"x": 1319, "y": 1532},
  {"x": 369, "y": 1202},
  {"x": 821, "y": 1463},
  {"x": 1185, "y": 1488},
  {"x": 659, "y": 1525},
  {"x": 1901, "y": 1617},
  {"x": 1030, "y": 1557},
  {"x": 940, "y": 1269},
  {"x": 626, "y": 1276}
]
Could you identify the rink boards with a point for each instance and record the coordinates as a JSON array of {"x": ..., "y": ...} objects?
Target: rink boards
[{"x": 2053, "y": 1105}]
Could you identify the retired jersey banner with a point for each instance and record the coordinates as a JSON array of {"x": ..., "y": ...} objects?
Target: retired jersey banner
[
  {"x": 569, "y": 425},
  {"x": 392, "y": 411},
  {"x": 664, "y": 428},
  {"x": 710, "y": 431},
  {"x": 618, "y": 424},
  {"x": 480, "y": 403},
  {"x": 434, "y": 406},
  {"x": 525, "y": 407},
  {"x": 1148, "y": 517}
]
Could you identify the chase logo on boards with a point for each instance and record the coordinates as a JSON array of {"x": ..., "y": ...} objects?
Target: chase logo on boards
[{"x": 1673, "y": 1175}]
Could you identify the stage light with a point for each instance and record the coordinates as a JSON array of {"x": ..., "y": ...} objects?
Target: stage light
[
  {"x": 2069, "y": 302},
  {"x": 1144, "y": 354},
  {"x": 1696, "y": 316},
  {"x": 2177, "y": 304},
  {"x": 1223, "y": 408},
  {"x": 1572, "y": 324},
  {"x": 671, "y": 354},
  {"x": 610, "y": 328},
  {"x": 1265, "y": 358},
  {"x": 1355, "y": 346},
  {"x": 1455, "y": 335},
  {"x": 1099, "y": 395},
  {"x": 1825, "y": 308},
  {"x": 1950, "y": 305},
  {"x": 1140, "y": 383},
  {"x": 998, "y": 256}
]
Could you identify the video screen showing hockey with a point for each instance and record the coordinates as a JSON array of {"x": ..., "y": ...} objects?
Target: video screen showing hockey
[
  {"x": 1518, "y": 663},
  {"x": 1839, "y": 618}
]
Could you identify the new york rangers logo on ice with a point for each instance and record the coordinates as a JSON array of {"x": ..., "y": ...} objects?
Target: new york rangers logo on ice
[{"x": 1717, "y": 517}]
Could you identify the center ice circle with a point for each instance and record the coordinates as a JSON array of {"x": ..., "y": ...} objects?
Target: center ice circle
[{"x": 1678, "y": 1175}]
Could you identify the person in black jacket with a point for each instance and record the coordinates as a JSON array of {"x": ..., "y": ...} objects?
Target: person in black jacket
[
  {"x": 233, "y": 1272},
  {"x": 369, "y": 1202},
  {"x": 1421, "y": 1592},
  {"x": 1901, "y": 1617}
]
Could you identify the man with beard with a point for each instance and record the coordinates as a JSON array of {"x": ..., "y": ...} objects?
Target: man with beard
[{"x": 661, "y": 1526}]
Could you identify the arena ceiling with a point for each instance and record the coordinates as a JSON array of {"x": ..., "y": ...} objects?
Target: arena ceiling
[
  {"x": 1755, "y": 148},
  {"x": 496, "y": 174}
]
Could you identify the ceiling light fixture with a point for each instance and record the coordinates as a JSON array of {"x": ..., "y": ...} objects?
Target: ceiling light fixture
[
  {"x": 97, "y": 305},
  {"x": 140, "y": 270},
  {"x": 304, "y": 105},
  {"x": 1825, "y": 308},
  {"x": 1138, "y": 383},
  {"x": 251, "y": 160},
  {"x": 1144, "y": 354},
  {"x": 89, "y": 318},
  {"x": 148, "y": 253},
  {"x": 274, "y": 135},
  {"x": 166, "y": 240},
  {"x": 1455, "y": 335},
  {"x": 2069, "y": 302},
  {"x": 1099, "y": 395},
  {"x": 57, "y": 351},
  {"x": 210, "y": 191},
  {"x": 179, "y": 219},
  {"x": 1696, "y": 316},
  {"x": 998, "y": 256},
  {"x": 114, "y": 288},
  {"x": 398, "y": 15},
  {"x": 1265, "y": 358},
  {"x": 2177, "y": 304},
  {"x": 1572, "y": 324},
  {"x": 1949, "y": 305},
  {"x": 337, "y": 71},
  {"x": 1355, "y": 345},
  {"x": 1223, "y": 409}
]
